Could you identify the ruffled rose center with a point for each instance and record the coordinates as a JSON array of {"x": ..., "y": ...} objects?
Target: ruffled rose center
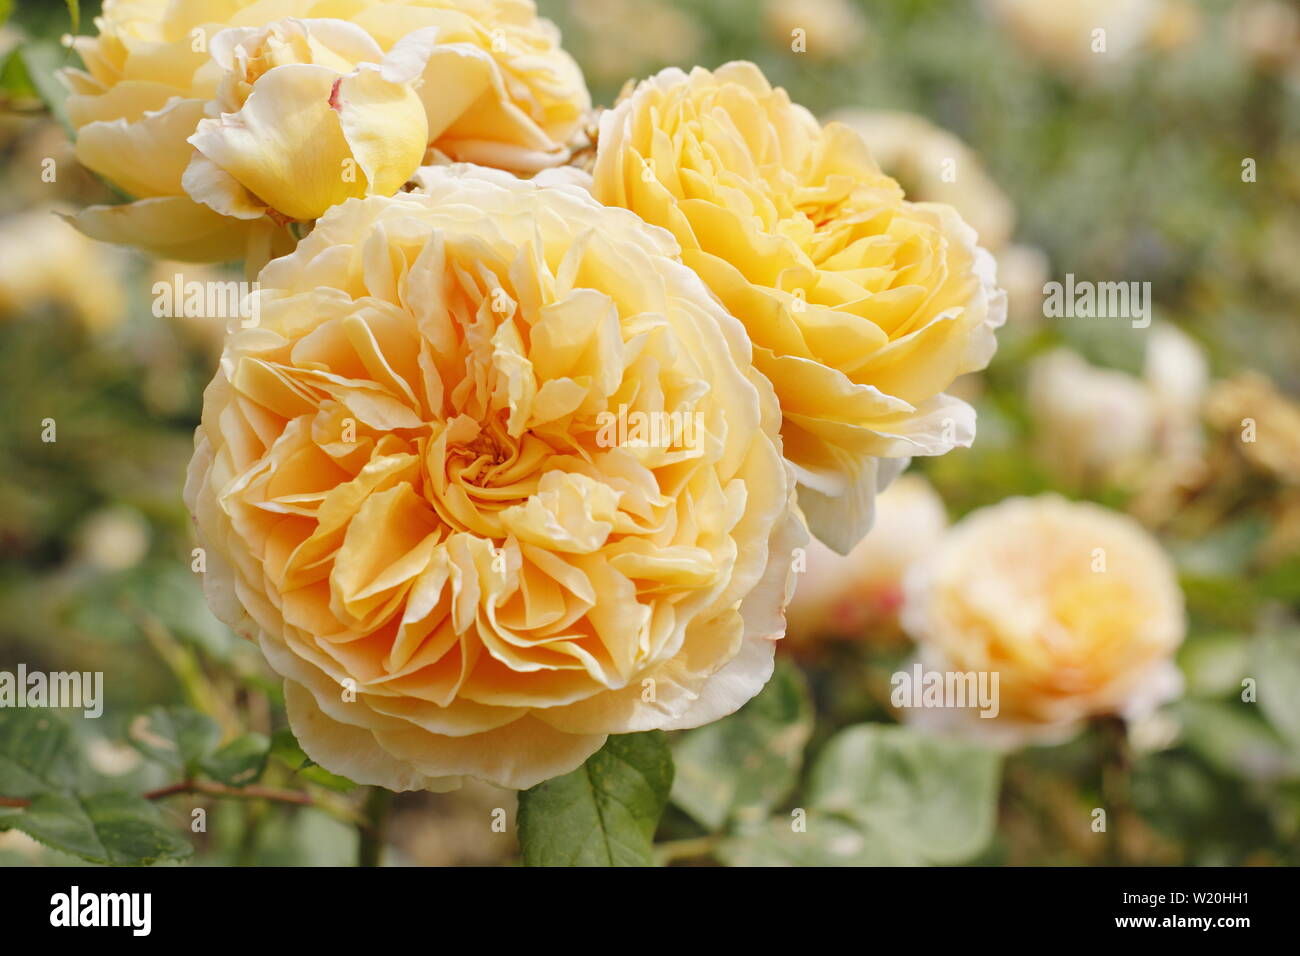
[
  {"x": 438, "y": 483},
  {"x": 832, "y": 232}
]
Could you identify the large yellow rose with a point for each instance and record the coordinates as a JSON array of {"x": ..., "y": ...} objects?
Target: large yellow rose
[
  {"x": 1074, "y": 607},
  {"x": 226, "y": 118},
  {"x": 427, "y": 477},
  {"x": 863, "y": 307}
]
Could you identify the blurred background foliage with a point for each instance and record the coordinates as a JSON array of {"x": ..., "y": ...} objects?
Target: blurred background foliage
[{"x": 1128, "y": 166}]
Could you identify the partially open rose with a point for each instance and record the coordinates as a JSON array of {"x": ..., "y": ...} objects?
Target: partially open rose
[
  {"x": 308, "y": 113},
  {"x": 295, "y": 107}
]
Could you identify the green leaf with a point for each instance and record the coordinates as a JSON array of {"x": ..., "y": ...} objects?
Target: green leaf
[
  {"x": 284, "y": 748},
  {"x": 822, "y": 840},
  {"x": 15, "y": 85},
  {"x": 40, "y": 62},
  {"x": 931, "y": 799},
  {"x": 883, "y": 796},
  {"x": 1234, "y": 739},
  {"x": 176, "y": 737},
  {"x": 36, "y": 752},
  {"x": 605, "y": 812},
  {"x": 1276, "y": 663},
  {"x": 38, "y": 763},
  {"x": 239, "y": 762},
  {"x": 743, "y": 765},
  {"x": 119, "y": 829},
  {"x": 1213, "y": 816},
  {"x": 1224, "y": 552},
  {"x": 1214, "y": 664}
]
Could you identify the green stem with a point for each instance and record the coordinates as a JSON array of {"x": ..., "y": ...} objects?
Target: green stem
[
  {"x": 1116, "y": 766},
  {"x": 690, "y": 849},
  {"x": 251, "y": 792},
  {"x": 374, "y": 833},
  {"x": 255, "y": 817}
]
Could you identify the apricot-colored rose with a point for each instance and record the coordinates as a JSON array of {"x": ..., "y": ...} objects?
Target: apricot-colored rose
[
  {"x": 1075, "y": 608},
  {"x": 225, "y": 118},
  {"x": 862, "y": 306},
  {"x": 409, "y": 484}
]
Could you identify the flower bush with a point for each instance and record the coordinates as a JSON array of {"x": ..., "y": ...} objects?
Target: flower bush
[{"x": 549, "y": 465}]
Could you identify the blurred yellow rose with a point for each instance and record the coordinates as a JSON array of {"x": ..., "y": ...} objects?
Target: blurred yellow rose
[
  {"x": 1178, "y": 24},
  {"x": 44, "y": 261},
  {"x": 823, "y": 29},
  {"x": 226, "y": 120},
  {"x": 862, "y": 306},
  {"x": 857, "y": 596},
  {"x": 1075, "y": 608},
  {"x": 206, "y": 331},
  {"x": 414, "y": 499},
  {"x": 1080, "y": 37},
  {"x": 625, "y": 37}
]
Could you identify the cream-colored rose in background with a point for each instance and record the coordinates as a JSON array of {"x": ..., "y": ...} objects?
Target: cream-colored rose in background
[
  {"x": 1064, "y": 35},
  {"x": 1101, "y": 424},
  {"x": 1075, "y": 607}
]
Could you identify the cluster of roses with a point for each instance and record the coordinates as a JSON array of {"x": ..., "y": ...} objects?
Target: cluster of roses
[{"x": 397, "y": 477}]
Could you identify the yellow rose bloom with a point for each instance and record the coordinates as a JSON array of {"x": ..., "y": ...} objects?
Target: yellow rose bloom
[
  {"x": 425, "y": 486},
  {"x": 226, "y": 119},
  {"x": 1074, "y": 607},
  {"x": 304, "y": 120},
  {"x": 862, "y": 306}
]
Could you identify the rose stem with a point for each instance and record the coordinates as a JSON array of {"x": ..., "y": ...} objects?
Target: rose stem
[{"x": 373, "y": 836}]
